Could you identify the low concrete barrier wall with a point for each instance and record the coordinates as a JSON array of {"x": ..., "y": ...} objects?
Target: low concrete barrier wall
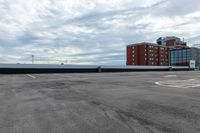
[{"x": 29, "y": 68}]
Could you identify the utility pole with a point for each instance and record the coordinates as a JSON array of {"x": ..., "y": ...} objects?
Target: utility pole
[{"x": 32, "y": 56}]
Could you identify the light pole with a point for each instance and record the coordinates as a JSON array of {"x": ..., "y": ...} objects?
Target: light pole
[{"x": 32, "y": 56}]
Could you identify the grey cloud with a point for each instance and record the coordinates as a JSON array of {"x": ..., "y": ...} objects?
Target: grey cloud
[
  {"x": 194, "y": 41},
  {"x": 28, "y": 38},
  {"x": 47, "y": 36},
  {"x": 174, "y": 8}
]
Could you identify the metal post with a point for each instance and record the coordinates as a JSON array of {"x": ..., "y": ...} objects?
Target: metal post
[
  {"x": 32, "y": 59},
  {"x": 99, "y": 69}
]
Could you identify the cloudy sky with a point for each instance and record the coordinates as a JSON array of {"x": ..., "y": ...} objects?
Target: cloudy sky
[{"x": 90, "y": 31}]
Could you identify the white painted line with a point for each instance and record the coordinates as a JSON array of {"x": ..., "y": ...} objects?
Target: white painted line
[
  {"x": 31, "y": 76},
  {"x": 190, "y": 83},
  {"x": 170, "y": 76}
]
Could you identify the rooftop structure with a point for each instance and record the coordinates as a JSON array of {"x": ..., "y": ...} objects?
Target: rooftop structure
[{"x": 171, "y": 42}]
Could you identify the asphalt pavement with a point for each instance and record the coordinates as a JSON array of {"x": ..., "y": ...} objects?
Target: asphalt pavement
[{"x": 132, "y": 102}]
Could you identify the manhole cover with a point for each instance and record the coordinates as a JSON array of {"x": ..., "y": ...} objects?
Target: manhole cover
[{"x": 180, "y": 83}]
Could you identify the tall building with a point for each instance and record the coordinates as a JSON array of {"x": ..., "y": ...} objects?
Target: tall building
[
  {"x": 168, "y": 51},
  {"x": 182, "y": 57},
  {"x": 196, "y": 55},
  {"x": 171, "y": 42},
  {"x": 147, "y": 54}
]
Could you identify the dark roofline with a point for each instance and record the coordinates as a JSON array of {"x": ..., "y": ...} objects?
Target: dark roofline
[
  {"x": 176, "y": 49},
  {"x": 145, "y": 43}
]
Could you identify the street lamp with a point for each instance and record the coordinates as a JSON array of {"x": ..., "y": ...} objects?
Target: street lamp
[{"x": 32, "y": 56}]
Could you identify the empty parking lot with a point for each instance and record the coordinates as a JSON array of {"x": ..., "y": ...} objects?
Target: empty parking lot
[{"x": 134, "y": 102}]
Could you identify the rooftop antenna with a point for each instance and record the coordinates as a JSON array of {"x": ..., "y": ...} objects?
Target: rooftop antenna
[{"x": 183, "y": 39}]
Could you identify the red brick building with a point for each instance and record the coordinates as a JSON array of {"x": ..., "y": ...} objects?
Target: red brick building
[
  {"x": 174, "y": 44},
  {"x": 171, "y": 42},
  {"x": 147, "y": 54}
]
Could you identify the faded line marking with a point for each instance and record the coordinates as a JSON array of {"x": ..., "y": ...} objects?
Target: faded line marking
[
  {"x": 170, "y": 76},
  {"x": 33, "y": 77},
  {"x": 190, "y": 83}
]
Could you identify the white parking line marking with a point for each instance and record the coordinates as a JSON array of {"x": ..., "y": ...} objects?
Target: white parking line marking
[
  {"x": 190, "y": 83},
  {"x": 170, "y": 76},
  {"x": 31, "y": 76}
]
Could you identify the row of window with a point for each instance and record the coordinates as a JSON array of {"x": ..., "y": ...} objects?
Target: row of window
[
  {"x": 180, "y": 56},
  {"x": 180, "y": 61},
  {"x": 154, "y": 63},
  {"x": 151, "y": 55},
  {"x": 153, "y": 51}
]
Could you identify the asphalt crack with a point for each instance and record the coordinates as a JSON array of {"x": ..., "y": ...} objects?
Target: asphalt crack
[{"x": 126, "y": 117}]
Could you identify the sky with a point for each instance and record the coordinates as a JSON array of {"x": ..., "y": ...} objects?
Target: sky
[{"x": 90, "y": 31}]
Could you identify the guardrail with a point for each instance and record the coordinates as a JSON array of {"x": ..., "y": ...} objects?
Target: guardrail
[{"x": 42, "y": 68}]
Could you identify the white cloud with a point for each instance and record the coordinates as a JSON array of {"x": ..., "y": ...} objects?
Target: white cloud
[
  {"x": 91, "y": 32},
  {"x": 194, "y": 15}
]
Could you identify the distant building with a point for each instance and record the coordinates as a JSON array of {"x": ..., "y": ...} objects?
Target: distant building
[
  {"x": 147, "y": 54},
  {"x": 180, "y": 57},
  {"x": 171, "y": 42},
  {"x": 196, "y": 55},
  {"x": 168, "y": 51}
]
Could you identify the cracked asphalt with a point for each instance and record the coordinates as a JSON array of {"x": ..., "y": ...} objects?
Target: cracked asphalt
[{"x": 100, "y": 103}]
